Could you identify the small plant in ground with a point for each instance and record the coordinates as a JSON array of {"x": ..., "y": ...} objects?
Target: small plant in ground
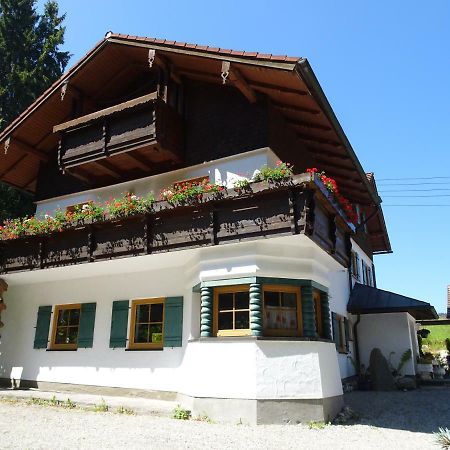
[
  {"x": 54, "y": 401},
  {"x": 70, "y": 404},
  {"x": 101, "y": 407},
  {"x": 443, "y": 437},
  {"x": 282, "y": 171},
  {"x": 203, "y": 418},
  {"x": 316, "y": 425},
  {"x": 181, "y": 413},
  {"x": 123, "y": 410}
]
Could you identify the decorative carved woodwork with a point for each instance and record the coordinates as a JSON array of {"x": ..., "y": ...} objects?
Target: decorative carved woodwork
[
  {"x": 146, "y": 128},
  {"x": 263, "y": 213}
]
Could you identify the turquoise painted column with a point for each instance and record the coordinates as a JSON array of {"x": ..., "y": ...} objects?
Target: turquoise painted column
[
  {"x": 308, "y": 312},
  {"x": 206, "y": 311},
  {"x": 326, "y": 320},
  {"x": 256, "y": 309}
]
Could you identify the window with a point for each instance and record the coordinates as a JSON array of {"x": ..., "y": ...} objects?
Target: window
[
  {"x": 282, "y": 311},
  {"x": 78, "y": 206},
  {"x": 197, "y": 180},
  {"x": 66, "y": 325},
  {"x": 355, "y": 265},
  {"x": 147, "y": 323},
  {"x": 232, "y": 311},
  {"x": 341, "y": 332},
  {"x": 318, "y": 313}
]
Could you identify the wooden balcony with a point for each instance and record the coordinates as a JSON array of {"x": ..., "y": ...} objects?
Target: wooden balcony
[
  {"x": 297, "y": 207},
  {"x": 136, "y": 135}
]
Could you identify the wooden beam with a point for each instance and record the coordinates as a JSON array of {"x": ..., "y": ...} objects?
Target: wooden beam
[
  {"x": 27, "y": 148},
  {"x": 312, "y": 126},
  {"x": 273, "y": 87},
  {"x": 13, "y": 165},
  {"x": 305, "y": 137},
  {"x": 139, "y": 160},
  {"x": 111, "y": 169},
  {"x": 295, "y": 109},
  {"x": 335, "y": 165},
  {"x": 79, "y": 174},
  {"x": 327, "y": 153},
  {"x": 237, "y": 80}
]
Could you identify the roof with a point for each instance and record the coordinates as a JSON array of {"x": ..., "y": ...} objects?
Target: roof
[
  {"x": 288, "y": 82},
  {"x": 370, "y": 300}
]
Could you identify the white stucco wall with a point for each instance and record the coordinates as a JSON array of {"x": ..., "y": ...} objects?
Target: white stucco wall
[
  {"x": 389, "y": 332},
  {"x": 232, "y": 368},
  {"x": 223, "y": 171},
  {"x": 362, "y": 258}
]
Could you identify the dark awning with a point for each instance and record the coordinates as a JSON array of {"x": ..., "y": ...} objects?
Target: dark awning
[{"x": 370, "y": 300}]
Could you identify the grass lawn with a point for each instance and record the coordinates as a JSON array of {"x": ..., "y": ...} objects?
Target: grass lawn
[{"x": 436, "y": 339}]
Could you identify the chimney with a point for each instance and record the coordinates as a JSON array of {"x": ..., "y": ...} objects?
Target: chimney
[{"x": 448, "y": 301}]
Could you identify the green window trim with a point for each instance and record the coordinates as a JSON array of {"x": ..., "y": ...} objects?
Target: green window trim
[
  {"x": 173, "y": 322},
  {"x": 119, "y": 324},
  {"x": 87, "y": 325},
  {"x": 42, "y": 327}
]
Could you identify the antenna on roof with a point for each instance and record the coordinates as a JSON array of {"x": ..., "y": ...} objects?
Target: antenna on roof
[{"x": 108, "y": 34}]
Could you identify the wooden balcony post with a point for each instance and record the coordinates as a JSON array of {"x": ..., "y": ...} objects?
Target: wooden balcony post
[
  {"x": 206, "y": 314},
  {"x": 256, "y": 309}
]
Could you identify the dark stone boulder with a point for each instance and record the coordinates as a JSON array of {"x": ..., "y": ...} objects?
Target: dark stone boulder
[
  {"x": 380, "y": 374},
  {"x": 406, "y": 383}
]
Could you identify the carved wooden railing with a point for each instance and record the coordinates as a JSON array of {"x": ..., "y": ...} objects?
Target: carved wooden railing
[{"x": 296, "y": 207}]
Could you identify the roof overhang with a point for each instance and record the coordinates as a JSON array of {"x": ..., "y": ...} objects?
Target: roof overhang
[
  {"x": 288, "y": 82},
  {"x": 369, "y": 300}
]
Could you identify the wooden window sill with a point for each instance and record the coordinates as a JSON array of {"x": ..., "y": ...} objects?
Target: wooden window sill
[
  {"x": 159, "y": 349},
  {"x": 61, "y": 349}
]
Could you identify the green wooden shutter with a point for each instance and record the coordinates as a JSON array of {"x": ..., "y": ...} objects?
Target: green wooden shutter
[
  {"x": 42, "y": 327},
  {"x": 335, "y": 322},
  {"x": 173, "y": 322},
  {"x": 119, "y": 324},
  {"x": 87, "y": 322},
  {"x": 347, "y": 334}
]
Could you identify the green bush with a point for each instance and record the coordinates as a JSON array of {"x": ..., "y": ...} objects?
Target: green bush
[{"x": 181, "y": 413}]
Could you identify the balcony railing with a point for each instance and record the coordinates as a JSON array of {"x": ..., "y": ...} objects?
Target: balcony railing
[
  {"x": 146, "y": 128},
  {"x": 299, "y": 206}
]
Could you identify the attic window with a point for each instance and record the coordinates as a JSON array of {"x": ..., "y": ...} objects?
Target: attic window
[
  {"x": 197, "y": 180},
  {"x": 78, "y": 206}
]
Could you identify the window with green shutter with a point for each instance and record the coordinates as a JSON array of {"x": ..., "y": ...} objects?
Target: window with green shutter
[
  {"x": 339, "y": 333},
  {"x": 119, "y": 324},
  {"x": 87, "y": 324},
  {"x": 42, "y": 327},
  {"x": 173, "y": 322}
]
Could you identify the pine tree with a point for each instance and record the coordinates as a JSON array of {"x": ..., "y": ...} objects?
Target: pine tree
[{"x": 30, "y": 61}]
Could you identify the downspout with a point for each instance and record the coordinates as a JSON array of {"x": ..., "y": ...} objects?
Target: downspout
[{"x": 355, "y": 336}]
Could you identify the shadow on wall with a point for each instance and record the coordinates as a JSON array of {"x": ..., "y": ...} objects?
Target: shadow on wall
[{"x": 419, "y": 411}]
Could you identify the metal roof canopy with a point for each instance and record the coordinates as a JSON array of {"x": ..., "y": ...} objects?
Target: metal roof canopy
[{"x": 369, "y": 300}]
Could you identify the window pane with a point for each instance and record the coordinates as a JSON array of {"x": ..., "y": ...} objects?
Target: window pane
[
  {"x": 241, "y": 300},
  {"x": 289, "y": 299},
  {"x": 143, "y": 313},
  {"x": 226, "y": 321},
  {"x": 63, "y": 317},
  {"x": 72, "y": 335},
  {"x": 156, "y": 312},
  {"x": 242, "y": 320},
  {"x": 225, "y": 301},
  {"x": 141, "y": 335},
  {"x": 271, "y": 298},
  {"x": 74, "y": 316},
  {"x": 60, "y": 337},
  {"x": 156, "y": 333}
]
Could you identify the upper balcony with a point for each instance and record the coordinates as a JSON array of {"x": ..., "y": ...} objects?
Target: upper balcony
[{"x": 137, "y": 134}]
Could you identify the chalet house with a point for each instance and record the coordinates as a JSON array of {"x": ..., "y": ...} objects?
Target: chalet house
[{"x": 173, "y": 255}]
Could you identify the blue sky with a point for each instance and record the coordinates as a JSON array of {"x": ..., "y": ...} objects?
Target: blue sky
[{"x": 385, "y": 68}]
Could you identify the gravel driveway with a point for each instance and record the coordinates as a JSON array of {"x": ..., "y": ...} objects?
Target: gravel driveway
[{"x": 395, "y": 420}]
